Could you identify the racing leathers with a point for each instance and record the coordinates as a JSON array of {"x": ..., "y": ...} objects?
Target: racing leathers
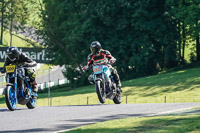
[
  {"x": 103, "y": 57},
  {"x": 25, "y": 61}
]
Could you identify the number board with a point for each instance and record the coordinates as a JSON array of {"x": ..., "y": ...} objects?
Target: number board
[
  {"x": 10, "y": 69},
  {"x": 97, "y": 69}
]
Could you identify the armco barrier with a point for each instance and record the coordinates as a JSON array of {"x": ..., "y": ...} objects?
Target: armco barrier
[{"x": 44, "y": 85}]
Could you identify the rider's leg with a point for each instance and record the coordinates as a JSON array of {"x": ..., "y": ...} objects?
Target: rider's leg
[
  {"x": 31, "y": 74},
  {"x": 116, "y": 76}
]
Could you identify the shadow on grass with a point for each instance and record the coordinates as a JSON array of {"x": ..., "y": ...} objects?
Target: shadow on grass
[
  {"x": 185, "y": 124},
  {"x": 172, "y": 78},
  {"x": 179, "y": 79},
  {"x": 178, "y": 124},
  {"x": 168, "y": 89}
]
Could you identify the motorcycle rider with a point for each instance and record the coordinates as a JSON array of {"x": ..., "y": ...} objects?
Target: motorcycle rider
[
  {"x": 100, "y": 56},
  {"x": 14, "y": 56}
]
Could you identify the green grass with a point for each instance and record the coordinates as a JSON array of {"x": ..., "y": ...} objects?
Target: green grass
[
  {"x": 155, "y": 124},
  {"x": 177, "y": 86},
  {"x": 15, "y": 41}
]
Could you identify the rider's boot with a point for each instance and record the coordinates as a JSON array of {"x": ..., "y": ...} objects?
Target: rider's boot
[
  {"x": 118, "y": 82},
  {"x": 35, "y": 88},
  {"x": 117, "y": 79}
]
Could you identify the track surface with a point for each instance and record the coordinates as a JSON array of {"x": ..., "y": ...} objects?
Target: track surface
[{"x": 55, "y": 118}]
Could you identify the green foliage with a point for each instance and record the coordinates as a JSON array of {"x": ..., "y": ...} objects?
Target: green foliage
[
  {"x": 142, "y": 35},
  {"x": 15, "y": 15},
  {"x": 186, "y": 13}
]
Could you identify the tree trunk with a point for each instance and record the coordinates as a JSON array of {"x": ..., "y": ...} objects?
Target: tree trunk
[
  {"x": 197, "y": 43},
  {"x": 179, "y": 42},
  {"x": 197, "y": 47},
  {"x": 2, "y": 19},
  {"x": 184, "y": 39},
  {"x": 11, "y": 20}
]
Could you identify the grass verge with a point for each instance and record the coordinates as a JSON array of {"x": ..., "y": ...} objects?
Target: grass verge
[
  {"x": 171, "y": 87},
  {"x": 155, "y": 124}
]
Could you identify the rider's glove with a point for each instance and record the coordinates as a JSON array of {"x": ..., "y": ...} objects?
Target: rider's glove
[
  {"x": 25, "y": 64},
  {"x": 2, "y": 70},
  {"x": 86, "y": 68},
  {"x": 112, "y": 60}
]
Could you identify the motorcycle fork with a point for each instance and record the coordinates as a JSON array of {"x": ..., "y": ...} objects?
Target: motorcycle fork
[{"x": 14, "y": 85}]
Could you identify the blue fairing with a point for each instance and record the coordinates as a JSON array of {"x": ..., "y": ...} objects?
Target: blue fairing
[
  {"x": 101, "y": 69},
  {"x": 107, "y": 72}
]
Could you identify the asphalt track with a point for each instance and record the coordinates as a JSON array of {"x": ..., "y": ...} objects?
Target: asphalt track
[{"x": 57, "y": 118}]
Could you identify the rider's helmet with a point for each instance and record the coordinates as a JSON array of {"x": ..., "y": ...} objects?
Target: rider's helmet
[
  {"x": 13, "y": 53},
  {"x": 95, "y": 47}
]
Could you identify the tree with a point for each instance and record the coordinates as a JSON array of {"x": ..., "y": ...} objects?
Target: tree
[
  {"x": 142, "y": 35},
  {"x": 14, "y": 16},
  {"x": 186, "y": 12},
  {"x": 4, "y": 17}
]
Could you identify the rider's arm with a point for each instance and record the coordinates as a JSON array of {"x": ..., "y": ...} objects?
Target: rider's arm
[
  {"x": 89, "y": 63},
  {"x": 110, "y": 57},
  {"x": 90, "y": 60},
  {"x": 28, "y": 62}
]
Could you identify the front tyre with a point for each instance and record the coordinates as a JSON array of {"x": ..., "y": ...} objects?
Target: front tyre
[
  {"x": 11, "y": 98},
  {"x": 100, "y": 90}
]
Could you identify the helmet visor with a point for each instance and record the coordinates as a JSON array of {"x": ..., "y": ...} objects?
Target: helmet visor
[
  {"x": 94, "y": 50},
  {"x": 12, "y": 56}
]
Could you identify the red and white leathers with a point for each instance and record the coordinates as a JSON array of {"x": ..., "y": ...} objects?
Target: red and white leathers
[{"x": 103, "y": 57}]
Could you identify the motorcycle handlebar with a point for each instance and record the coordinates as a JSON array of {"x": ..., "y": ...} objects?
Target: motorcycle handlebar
[{"x": 90, "y": 66}]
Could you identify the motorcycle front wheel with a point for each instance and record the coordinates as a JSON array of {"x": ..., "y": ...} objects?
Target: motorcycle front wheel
[
  {"x": 100, "y": 90},
  {"x": 10, "y": 98}
]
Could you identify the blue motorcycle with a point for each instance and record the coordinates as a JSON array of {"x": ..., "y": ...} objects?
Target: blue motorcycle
[
  {"x": 106, "y": 85},
  {"x": 18, "y": 89}
]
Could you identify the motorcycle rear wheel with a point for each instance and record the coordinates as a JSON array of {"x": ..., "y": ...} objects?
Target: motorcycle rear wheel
[
  {"x": 31, "y": 103},
  {"x": 118, "y": 98},
  {"x": 10, "y": 98},
  {"x": 100, "y": 90}
]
